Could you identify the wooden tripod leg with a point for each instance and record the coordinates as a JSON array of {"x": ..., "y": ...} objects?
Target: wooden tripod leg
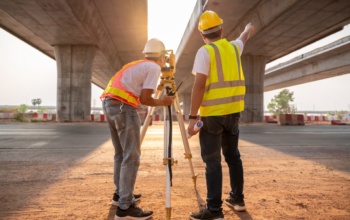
[
  {"x": 148, "y": 118},
  {"x": 188, "y": 154}
]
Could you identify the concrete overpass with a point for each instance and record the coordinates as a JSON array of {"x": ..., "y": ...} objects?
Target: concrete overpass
[
  {"x": 324, "y": 62},
  {"x": 90, "y": 40},
  {"x": 281, "y": 27}
]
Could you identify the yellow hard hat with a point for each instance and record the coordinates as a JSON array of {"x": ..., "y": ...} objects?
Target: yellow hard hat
[{"x": 208, "y": 20}]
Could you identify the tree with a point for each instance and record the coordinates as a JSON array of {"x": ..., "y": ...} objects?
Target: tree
[
  {"x": 41, "y": 109},
  {"x": 280, "y": 104},
  {"x": 23, "y": 108},
  {"x": 293, "y": 109},
  {"x": 36, "y": 101}
]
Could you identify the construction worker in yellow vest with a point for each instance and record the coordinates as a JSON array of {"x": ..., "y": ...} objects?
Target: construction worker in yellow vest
[
  {"x": 133, "y": 84},
  {"x": 218, "y": 92}
]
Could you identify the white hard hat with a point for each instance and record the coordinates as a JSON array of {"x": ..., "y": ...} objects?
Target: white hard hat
[{"x": 154, "y": 48}]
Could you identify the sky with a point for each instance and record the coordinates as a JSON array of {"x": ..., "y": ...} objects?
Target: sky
[{"x": 26, "y": 73}]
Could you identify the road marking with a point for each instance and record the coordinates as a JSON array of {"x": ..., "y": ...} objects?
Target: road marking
[
  {"x": 28, "y": 133},
  {"x": 39, "y": 144},
  {"x": 307, "y": 132},
  {"x": 27, "y": 129}
]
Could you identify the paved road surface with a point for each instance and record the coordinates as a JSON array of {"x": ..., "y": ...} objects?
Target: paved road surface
[
  {"x": 74, "y": 141},
  {"x": 64, "y": 171}
]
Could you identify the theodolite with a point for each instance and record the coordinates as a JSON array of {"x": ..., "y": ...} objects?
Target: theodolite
[{"x": 167, "y": 84}]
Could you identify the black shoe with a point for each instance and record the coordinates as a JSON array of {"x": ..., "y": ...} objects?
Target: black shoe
[
  {"x": 116, "y": 198},
  {"x": 206, "y": 214},
  {"x": 133, "y": 212},
  {"x": 237, "y": 204}
]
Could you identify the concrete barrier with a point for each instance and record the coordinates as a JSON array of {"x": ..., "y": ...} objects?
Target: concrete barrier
[
  {"x": 290, "y": 119},
  {"x": 7, "y": 115},
  {"x": 97, "y": 117},
  {"x": 271, "y": 119},
  {"x": 37, "y": 116},
  {"x": 338, "y": 122}
]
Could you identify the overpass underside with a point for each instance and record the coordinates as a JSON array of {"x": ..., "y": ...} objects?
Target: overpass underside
[
  {"x": 90, "y": 40},
  {"x": 281, "y": 27},
  {"x": 322, "y": 63}
]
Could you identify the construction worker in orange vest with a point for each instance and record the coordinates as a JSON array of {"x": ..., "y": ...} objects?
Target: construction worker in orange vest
[
  {"x": 135, "y": 83},
  {"x": 218, "y": 92}
]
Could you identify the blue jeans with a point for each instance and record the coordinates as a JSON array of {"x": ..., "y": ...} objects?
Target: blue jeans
[
  {"x": 124, "y": 126},
  {"x": 221, "y": 132}
]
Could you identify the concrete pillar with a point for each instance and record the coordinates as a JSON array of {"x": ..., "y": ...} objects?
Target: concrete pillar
[
  {"x": 254, "y": 71},
  {"x": 185, "y": 98},
  {"x": 74, "y": 70}
]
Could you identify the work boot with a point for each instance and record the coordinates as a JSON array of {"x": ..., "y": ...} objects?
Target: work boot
[
  {"x": 237, "y": 204},
  {"x": 116, "y": 198},
  {"x": 206, "y": 214},
  {"x": 133, "y": 213}
]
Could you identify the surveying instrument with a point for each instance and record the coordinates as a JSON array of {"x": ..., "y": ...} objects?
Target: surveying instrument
[{"x": 167, "y": 84}]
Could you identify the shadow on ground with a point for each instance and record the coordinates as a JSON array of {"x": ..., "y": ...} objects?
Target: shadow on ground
[
  {"x": 324, "y": 144},
  {"x": 33, "y": 157}
]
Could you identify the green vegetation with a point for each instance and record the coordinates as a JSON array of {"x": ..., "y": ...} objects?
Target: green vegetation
[
  {"x": 23, "y": 108},
  {"x": 37, "y": 120},
  {"x": 41, "y": 109},
  {"x": 9, "y": 110},
  {"x": 19, "y": 117},
  {"x": 280, "y": 104}
]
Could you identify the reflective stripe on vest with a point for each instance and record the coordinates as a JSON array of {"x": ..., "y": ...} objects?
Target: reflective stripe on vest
[
  {"x": 225, "y": 87},
  {"x": 121, "y": 93}
]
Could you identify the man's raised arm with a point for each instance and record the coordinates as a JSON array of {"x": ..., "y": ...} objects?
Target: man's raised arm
[{"x": 249, "y": 28}]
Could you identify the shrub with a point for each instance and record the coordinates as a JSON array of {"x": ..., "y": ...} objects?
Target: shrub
[
  {"x": 19, "y": 117},
  {"x": 9, "y": 110}
]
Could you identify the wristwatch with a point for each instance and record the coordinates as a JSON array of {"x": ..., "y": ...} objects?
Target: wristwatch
[{"x": 192, "y": 117}]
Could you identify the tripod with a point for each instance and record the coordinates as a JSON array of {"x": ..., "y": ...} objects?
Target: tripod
[{"x": 167, "y": 84}]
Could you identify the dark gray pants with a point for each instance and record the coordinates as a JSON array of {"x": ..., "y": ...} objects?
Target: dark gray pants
[{"x": 221, "y": 132}]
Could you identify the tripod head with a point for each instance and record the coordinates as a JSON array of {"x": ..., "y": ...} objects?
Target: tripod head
[{"x": 167, "y": 77}]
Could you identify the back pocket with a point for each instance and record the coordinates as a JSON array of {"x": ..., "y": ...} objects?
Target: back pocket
[{"x": 118, "y": 117}]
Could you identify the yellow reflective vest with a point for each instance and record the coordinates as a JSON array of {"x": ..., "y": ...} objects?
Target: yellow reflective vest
[{"x": 225, "y": 87}]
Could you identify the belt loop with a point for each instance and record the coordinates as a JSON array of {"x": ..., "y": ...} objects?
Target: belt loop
[{"x": 121, "y": 106}]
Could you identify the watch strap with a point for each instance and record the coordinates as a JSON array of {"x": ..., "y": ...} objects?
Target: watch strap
[{"x": 192, "y": 117}]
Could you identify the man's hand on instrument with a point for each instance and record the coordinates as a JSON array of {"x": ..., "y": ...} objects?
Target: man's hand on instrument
[
  {"x": 168, "y": 100},
  {"x": 191, "y": 127}
]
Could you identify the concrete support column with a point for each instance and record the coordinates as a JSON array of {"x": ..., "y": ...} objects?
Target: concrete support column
[
  {"x": 185, "y": 98},
  {"x": 74, "y": 70},
  {"x": 254, "y": 71}
]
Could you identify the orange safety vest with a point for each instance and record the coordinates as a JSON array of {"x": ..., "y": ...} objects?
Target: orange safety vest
[{"x": 115, "y": 89}]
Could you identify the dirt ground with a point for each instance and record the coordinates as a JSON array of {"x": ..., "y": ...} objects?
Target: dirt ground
[{"x": 277, "y": 185}]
